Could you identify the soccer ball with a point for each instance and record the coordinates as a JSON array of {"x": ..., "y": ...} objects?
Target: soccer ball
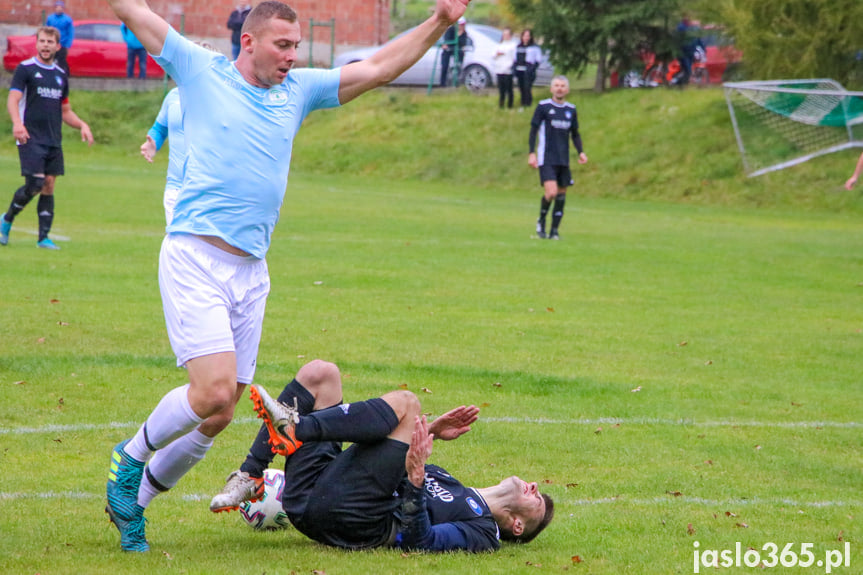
[{"x": 267, "y": 513}]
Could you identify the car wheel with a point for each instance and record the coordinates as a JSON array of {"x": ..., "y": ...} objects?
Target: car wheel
[{"x": 476, "y": 78}]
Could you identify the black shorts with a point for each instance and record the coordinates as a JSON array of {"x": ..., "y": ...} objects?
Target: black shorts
[
  {"x": 344, "y": 498},
  {"x": 40, "y": 159},
  {"x": 559, "y": 174}
]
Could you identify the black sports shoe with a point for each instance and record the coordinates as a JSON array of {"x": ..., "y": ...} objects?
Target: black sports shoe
[
  {"x": 553, "y": 235},
  {"x": 540, "y": 230}
]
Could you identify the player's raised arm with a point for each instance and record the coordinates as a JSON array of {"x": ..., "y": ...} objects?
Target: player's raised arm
[
  {"x": 389, "y": 62},
  {"x": 150, "y": 28}
]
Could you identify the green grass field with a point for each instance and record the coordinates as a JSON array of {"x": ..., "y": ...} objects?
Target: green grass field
[{"x": 684, "y": 366}]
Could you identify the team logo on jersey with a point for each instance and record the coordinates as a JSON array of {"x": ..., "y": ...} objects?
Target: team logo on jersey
[
  {"x": 551, "y": 112},
  {"x": 59, "y": 80},
  {"x": 474, "y": 506},
  {"x": 37, "y": 75},
  {"x": 276, "y": 97},
  {"x": 345, "y": 407},
  {"x": 568, "y": 115}
]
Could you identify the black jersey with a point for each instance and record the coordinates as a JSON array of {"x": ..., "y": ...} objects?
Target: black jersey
[
  {"x": 445, "y": 515},
  {"x": 554, "y": 124},
  {"x": 45, "y": 89}
]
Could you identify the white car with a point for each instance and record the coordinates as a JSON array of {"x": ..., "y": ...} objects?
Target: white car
[{"x": 476, "y": 69}]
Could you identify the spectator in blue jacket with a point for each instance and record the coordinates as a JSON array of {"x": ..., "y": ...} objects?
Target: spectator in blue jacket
[
  {"x": 63, "y": 22},
  {"x": 134, "y": 50}
]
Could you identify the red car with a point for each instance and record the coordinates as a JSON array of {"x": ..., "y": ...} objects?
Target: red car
[{"x": 97, "y": 51}]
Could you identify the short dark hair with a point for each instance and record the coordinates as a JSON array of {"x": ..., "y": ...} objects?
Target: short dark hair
[
  {"x": 265, "y": 11},
  {"x": 528, "y": 536}
]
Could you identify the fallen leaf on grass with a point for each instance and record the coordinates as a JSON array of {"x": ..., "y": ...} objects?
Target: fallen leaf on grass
[
  {"x": 681, "y": 344},
  {"x": 167, "y": 555},
  {"x": 22, "y": 382},
  {"x": 497, "y": 384},
  {"x": 62, "y": 324},
  {"x": 484, "y": 405},
  {"x": 675, "y": 493},
  {"x": 577, "y": 559},
  {"x": 551, "y": 309},
  {"x": 730, "y": 514},
  {"x": 741, "y": 525},
  {"x": 690, "y": 529},
  {"x": 426, "y": 390},
  {"x": 571, "y": 485},
  {"x": 403, "y": 386},
  {"x": 54, "y": 301},
  {"x": 839, "y": 537},
  {"x": 40, "y": 340},
  {"x": 636, "y": 390},
  {"x": 530, "y": 564},
  {"x": 598, "y": 430}
]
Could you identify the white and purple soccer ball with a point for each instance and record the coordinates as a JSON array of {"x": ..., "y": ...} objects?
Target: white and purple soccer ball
[{"x": 267, "y": 513}]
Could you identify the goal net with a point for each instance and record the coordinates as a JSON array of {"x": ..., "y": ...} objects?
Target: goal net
[{"x": 782, "y": 123}]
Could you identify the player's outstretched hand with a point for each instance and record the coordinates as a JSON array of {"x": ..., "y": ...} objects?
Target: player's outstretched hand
[
  {"x": 582, "y": 158},
  {"x": 419, "y": 452},
  {"x": 850, "y": 183},
  {"x": 454, "y": 423},
  {"x": 451, "y": 10}
]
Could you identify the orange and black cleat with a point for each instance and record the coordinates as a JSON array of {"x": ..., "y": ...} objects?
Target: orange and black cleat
[{"x": 281, "y": 420}]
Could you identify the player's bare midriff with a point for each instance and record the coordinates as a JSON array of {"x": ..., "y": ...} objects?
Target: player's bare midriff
[{"x": 224, "y": 246}]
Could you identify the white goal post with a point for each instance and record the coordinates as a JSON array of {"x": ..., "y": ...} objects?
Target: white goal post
[{"x": 781, "y": 123}]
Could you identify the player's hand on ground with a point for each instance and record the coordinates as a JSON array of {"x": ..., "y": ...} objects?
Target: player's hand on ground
[
  {"x": 582, "y": 158},
  {"x": 148, "y": 149},
  {"x": 850, "y": 183},
  {"x": 532, "y": 161},
  {"x": 454, "y": 423},
  {"x": 86, "y": 135},
  {"x": 419, "y": 452},
  {"x": 21, "y": 134}
]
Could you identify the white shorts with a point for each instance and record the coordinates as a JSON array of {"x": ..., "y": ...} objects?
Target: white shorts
[{"x": 213, "y": 301}]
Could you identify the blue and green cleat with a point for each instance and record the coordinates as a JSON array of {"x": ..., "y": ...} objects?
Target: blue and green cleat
[
  {"x": 4, "y": 230},
  {"x": 47, "y": 244},
  {"x": 124, "y": 479}
]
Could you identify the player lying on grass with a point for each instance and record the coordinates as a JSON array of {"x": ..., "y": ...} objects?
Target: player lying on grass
[{"x": 379, "y": 491}]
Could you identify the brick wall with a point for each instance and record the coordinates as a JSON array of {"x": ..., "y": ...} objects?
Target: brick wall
[{"x": 358, "y": 22}]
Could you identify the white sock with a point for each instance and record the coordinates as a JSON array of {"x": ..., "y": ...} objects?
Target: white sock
[
  {"x": 171, "y": 463},
  {"x": 172, "y": 418}
]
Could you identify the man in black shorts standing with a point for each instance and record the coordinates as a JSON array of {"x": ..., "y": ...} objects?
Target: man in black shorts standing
[
  {"x": 554, "y": 122},
  {"x": 38, "y": 104},
  {"x": 379, "y": 491}
]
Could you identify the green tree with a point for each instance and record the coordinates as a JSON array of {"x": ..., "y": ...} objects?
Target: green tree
[
  {"x": 607, "y": 32},
  {"x": 796, "y": 38}
]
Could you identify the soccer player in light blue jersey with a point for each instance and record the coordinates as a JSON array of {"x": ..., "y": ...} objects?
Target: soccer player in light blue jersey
[
  {"x": 239, "y": 119},
  {"x": 168, "y": 126}
]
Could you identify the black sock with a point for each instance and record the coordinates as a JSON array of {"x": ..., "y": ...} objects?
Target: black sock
[
  {"x": 557, "y": 214},
  {"x": 543, "y": 211},
  {"x": 46, "y": 215},
  {"x": 260, "y": 455},
  {"x": 21, "y": 198},
  {"x": 361, "y": 422}
]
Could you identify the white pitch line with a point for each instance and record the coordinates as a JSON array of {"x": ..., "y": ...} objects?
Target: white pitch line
[
  {"x": 620, "y": 500},
  {"x": 527, "y": 420}
]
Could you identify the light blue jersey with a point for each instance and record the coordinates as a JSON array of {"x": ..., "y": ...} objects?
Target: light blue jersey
[
  {"x": 169, "y": 126},
  {"x": 238, "y": 142}
]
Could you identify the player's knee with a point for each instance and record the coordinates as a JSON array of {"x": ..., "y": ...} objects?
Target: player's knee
[
  {"x": 405, "y": 403},
  {"x": 34, "y": 185},
  {"x": 318, "y": 372}
]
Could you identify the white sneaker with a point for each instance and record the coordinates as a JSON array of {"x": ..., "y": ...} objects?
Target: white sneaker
[{"x": 239, "y": 487}]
